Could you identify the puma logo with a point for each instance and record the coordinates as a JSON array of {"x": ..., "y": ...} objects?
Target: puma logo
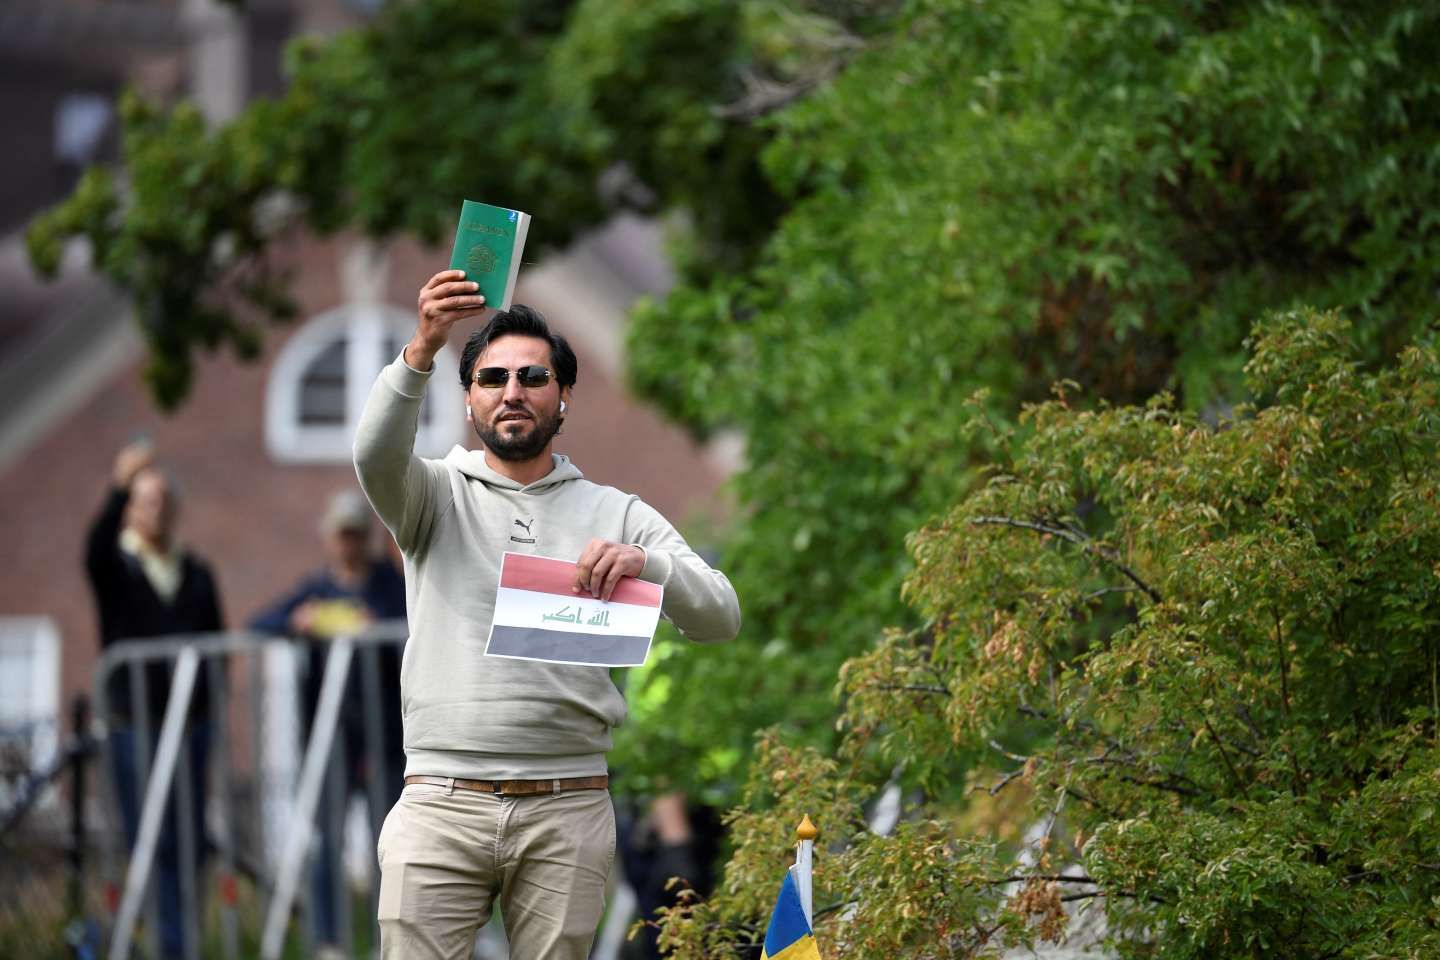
[{"x": 524, "y": 524}]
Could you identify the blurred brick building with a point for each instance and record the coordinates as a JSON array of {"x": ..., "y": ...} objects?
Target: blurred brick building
[{"x": 258, "y": 447}]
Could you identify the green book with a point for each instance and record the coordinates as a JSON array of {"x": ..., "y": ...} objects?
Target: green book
[{"x": 488, "y": 243}]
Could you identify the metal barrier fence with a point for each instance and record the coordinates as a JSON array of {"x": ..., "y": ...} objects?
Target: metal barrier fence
[{"x": 236, "y": 662}]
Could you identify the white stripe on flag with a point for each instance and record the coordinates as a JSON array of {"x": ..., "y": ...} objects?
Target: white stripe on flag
[{"x": 573, "y": 614}]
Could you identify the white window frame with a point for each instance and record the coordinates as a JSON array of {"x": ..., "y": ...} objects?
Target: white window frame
[{"x": 364, "y": 325}]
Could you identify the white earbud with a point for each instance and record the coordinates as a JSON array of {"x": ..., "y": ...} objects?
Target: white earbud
[
  {"x": 562, "y": 406},
  {"x": 468, "y": 414}
]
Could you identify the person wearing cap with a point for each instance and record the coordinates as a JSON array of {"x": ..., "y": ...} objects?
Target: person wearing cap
[
  {"x": 506, "y": 799},
  {"x": 355, "y": 586}
]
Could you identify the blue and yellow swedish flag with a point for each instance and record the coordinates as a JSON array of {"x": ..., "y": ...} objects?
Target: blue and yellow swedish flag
[{"x": 789, "y": 936}]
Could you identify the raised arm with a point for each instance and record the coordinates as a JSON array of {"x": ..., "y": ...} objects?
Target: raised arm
[
  {"x": 408, "y": 493},
  {"x": 102, "y": 545}
]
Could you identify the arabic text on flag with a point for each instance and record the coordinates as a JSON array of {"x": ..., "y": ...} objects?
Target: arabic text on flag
[{"x": 538, "y": 616}]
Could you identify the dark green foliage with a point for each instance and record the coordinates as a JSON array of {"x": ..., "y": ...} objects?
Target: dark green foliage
[
  {"x": 1209, "y": 651},
  {"x": 1002, "y": 195},
  {"x": 386, "y": 128}
]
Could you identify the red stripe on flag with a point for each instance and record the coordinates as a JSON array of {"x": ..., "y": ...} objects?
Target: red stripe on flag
[{"x": 544, "y": 575}]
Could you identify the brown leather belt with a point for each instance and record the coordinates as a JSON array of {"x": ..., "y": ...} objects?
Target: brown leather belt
[{"x": 516, "y": 788}]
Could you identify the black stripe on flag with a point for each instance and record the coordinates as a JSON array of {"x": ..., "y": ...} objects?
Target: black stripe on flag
[{"x": 559, "y": 646}]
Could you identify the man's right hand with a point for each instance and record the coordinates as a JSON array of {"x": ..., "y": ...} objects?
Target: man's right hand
[
  {"x": 130, "y": 461},
  {"x": 445, "y": 300}
]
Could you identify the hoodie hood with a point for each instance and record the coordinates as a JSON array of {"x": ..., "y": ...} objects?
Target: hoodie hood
[{"x": 472, "y": 464}]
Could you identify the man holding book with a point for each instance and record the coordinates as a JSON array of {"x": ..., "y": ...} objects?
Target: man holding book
[{"x": 505, "y": 799}]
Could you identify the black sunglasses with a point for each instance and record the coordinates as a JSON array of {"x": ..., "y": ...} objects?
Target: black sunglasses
[{"x": 531, "y": 376}]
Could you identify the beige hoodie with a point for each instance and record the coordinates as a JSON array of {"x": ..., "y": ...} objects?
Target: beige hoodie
[{"x": 491, "y": 718}]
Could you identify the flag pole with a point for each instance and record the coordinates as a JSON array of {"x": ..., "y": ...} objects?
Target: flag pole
[{"x": 807, "y": 834}]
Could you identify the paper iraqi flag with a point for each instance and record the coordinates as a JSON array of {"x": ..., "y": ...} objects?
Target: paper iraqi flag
[{"x": 539, "y": 616}]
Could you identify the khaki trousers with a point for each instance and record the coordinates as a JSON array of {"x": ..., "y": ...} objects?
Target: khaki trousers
[{"x": 446, "y": 859}]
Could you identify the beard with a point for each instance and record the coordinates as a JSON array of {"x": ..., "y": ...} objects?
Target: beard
[{"x": 523, "y": 444}]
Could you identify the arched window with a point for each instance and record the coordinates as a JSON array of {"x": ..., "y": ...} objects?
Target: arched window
[{"x": 319, "y": 383}]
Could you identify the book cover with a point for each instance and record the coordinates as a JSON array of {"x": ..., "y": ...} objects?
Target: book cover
[{"x": 488, "y": 244}]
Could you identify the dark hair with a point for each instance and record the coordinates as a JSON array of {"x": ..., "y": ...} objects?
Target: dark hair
[{"x": 523, "y": 321}]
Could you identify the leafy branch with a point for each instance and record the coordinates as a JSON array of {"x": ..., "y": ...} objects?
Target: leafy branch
[{"x": 1077, "y": 537}]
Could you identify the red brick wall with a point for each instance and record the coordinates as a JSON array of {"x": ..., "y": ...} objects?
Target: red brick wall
[{"x": 253, "y": 518}]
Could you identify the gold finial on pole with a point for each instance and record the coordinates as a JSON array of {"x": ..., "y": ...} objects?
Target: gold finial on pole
[{"x": 806, "y": 830}]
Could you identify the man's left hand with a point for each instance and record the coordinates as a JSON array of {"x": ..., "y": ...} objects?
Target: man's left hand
[{"x": 602, "y": 565}]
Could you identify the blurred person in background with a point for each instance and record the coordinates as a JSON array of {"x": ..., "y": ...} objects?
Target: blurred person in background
[
  {"x": 669, "y": 848},
  {"x": 147, "y": 585},
  {"x": 355, "y": 587}
]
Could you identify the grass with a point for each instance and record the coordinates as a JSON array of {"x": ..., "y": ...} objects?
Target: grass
[{"x": 34, "y": 914}]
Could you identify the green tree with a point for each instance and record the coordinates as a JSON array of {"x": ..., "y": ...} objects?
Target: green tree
[
  {"x": 384, "y": 128},
  {"x": 1001, "y": 195},
  {"x": 882, "y": 205},
  {"x": 1204, "y": 655}
]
